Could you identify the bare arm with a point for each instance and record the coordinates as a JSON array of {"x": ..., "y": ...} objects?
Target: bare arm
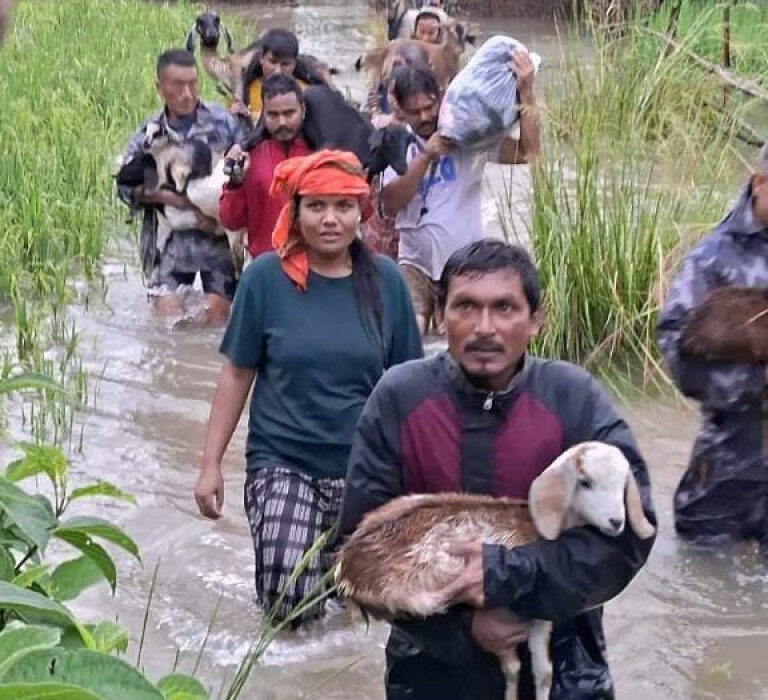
[
  {"x": 165, "y": 197},
  {"x": 528, "y": 147},
  {"x": 228, "y": 402}
]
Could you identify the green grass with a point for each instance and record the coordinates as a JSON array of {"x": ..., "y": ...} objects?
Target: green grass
[
  {"x": 636, "y": 166},
  {"x": 76, "y": 78}
]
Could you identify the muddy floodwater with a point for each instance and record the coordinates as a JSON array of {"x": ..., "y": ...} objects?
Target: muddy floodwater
[{"x": 691, "y": 625}]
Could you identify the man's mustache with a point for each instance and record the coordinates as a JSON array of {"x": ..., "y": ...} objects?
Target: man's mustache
[{"x": 478, "y": 346}]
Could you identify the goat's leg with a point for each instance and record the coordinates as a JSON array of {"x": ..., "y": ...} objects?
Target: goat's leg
[
  {"x": 511, "y": 666},
  {"x": 538, "y": 642}
]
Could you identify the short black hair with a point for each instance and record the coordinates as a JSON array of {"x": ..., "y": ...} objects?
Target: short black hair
[
  {"x": 280, "y": 43},
  {"x": 280, "y": 84},
  {"x": 491, "y": 255},
  {"x": 175, "y": 57},
  {"x": 426, "y": 14},
  {"x": 412, "y": 80}
]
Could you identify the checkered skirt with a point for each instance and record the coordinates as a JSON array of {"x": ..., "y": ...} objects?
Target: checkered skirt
[{"x": 287, "y": 511}]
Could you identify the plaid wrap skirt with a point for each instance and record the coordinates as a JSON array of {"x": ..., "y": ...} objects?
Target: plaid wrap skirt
[{"x": 287, "y": 511}]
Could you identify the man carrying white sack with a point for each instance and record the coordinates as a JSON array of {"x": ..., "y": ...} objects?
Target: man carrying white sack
[{"x": 437, "y": 202}]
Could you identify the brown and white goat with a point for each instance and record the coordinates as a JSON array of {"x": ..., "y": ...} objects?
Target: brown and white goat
[{"x": 398, "y": 560}]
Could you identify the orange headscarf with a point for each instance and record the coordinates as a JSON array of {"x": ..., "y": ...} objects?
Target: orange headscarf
[{"x": 331, "y": 173}]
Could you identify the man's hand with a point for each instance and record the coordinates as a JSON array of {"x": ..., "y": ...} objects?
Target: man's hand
[
  {"x": 209, "y": 491},
  {"x": 468, "y": 587},
  {"x": 238, "y": 108},
  {"x": 205, "y": 223},
  {"x": 522, "y": 66},
  {"x": 437, "y": 146},
  {"x": 498, "y": 631},
  {"x": 238, "y": 161}
]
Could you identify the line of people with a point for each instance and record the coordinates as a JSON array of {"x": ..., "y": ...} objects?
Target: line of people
[{"x": 345, "y": 413}]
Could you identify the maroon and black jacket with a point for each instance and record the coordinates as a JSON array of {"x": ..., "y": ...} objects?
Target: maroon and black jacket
[{"x": 425, "y": 429}]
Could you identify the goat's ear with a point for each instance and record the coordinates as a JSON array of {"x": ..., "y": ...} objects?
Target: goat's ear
[
  {"x": 179, "y": 174},
  {"x": 551, "y": 494},
  {"x": 191, "y": 40},
  {"x": 635, "y": 514},
  {"x": 228, "y": 38}
]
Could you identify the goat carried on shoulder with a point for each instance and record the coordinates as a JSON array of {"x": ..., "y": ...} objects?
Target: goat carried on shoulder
[{"x": 399, "y": 561}]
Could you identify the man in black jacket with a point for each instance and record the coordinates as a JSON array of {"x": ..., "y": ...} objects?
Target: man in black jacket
[{"x": 486, "y": 417}]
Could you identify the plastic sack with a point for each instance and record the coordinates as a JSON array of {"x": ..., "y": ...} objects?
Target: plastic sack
[{"x": 481, "y": 103}]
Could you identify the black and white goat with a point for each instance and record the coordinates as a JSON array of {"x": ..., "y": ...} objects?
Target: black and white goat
[{"x": 186, "y": 167}]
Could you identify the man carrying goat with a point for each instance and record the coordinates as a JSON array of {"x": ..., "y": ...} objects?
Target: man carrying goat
[
  {"x": 202, "y": 249},
  {"x": 487, "y": 418}
]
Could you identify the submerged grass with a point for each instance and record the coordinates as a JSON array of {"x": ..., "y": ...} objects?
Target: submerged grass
[
  {"x": 637, "y": 164},
  {"x": 76, "y": 78}
]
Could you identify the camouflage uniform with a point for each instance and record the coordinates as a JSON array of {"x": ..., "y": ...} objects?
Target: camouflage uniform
[
  {"x": 723, "y": 495},
  {"x": 190, "y": 251}
]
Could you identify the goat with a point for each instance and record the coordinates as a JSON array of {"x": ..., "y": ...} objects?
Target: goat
[
  {"x": 443, "y": 58},
  {"x": 730, "y": 325},
  {"x": 186, "y": 167},
  {"x": 229, "y": 72},
  {"x": 397, "y": 560}
]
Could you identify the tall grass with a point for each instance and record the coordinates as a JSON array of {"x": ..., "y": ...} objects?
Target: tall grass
[
  {"x": 636, "y": 166},
  {"x": 76, "y": 78}
]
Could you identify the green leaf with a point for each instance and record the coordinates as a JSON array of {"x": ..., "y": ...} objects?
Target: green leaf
[
  {"x": 97, "y": 527},
  {"x": 94, "y": 551},
  {"x": 11, "y": 538},
  {"x": 30, "y": 380},
  {"x": 39, "y": 459},
  {"x": 45, "y": 691},
  {"x": 22, "y": 600},
  {"x": 7, "y": 565},
  {"x": 103, "y": 675},
  {"x": 20, "y": 641},
  {"x": 30, "y": 575},
  {"x": 109, "y": 637},
  {"x": 32, "y": 516},
  {"x": 178, "y": 686},
  {"x": 102, "y": 488},
  {"x": 70, "y": 578}
]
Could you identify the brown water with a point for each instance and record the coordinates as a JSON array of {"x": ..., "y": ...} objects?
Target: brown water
[{"x": 690, "y": 626}]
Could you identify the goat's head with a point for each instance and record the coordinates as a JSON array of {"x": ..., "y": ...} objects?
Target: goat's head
[
  {"x": 586, "y": 486},
  {"x": 155, "y": 134},
  {"x": 209, "y": 28}
]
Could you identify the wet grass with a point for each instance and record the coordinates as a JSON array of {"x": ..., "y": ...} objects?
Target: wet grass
[
  {"x": 76, "y": 78},
  {"x": 637, "y": 165}
]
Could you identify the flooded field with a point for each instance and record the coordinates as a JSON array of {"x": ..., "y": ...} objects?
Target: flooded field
[{"x": 692, "y": 625}]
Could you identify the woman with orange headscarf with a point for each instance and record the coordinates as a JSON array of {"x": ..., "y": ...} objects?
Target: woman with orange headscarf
[{"x": 316, "y": 322}]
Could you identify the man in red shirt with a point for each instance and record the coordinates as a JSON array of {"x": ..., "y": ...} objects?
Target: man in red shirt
[{"x": 245, "y": 201}]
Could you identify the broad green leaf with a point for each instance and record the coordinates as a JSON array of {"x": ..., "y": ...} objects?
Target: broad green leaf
[
  {"x": 96, "y": 527},
  {"x": 30, "y": 575},
  {"x": 46, "y": 691},
  {"x": 109, "y": 637},
  {"x": 24, "y": 601},
  {"x": 180, "y": 687},
  {"x": 20, "y": 641},
  {"x": 70, "y": 578},
  {"x": 94, "y": 551},
  {"x": 11, "y": 538},
  {"x": 7, "y": 565},
  {"x": 39, "y": 459},
  {"x": 32, "y": 516},
  {"x": 102, "y": 488},
  {"x": 103, "y": 675}
]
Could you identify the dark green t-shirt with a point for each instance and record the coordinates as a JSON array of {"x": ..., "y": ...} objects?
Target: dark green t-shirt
[{"x": 315, "y": 363}]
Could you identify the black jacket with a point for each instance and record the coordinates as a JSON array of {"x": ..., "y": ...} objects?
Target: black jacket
[{"x": 424, "y": 413}]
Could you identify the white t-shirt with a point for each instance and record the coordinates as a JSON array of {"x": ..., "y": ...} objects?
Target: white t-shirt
[{"x": 445, "y": 214}]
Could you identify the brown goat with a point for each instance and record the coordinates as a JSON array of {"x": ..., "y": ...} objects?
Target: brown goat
[
  {"x": 730, "y": 325},
  {"x": 398, "y": 560},
  {"x": 443, "y": 58}
]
